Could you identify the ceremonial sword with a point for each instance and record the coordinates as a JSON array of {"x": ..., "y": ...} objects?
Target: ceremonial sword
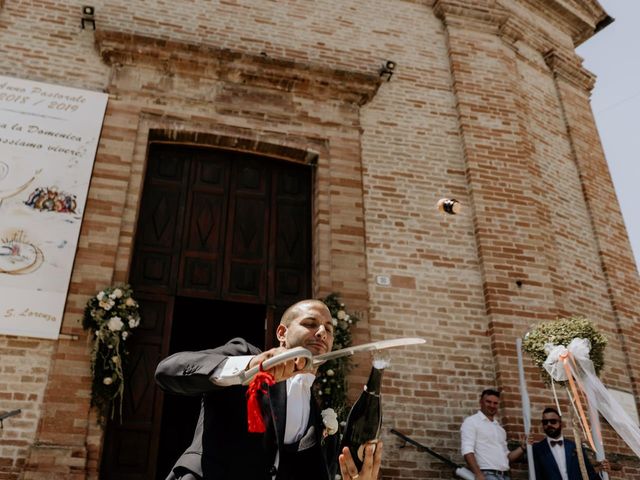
[{"x": 314, "y": 361}]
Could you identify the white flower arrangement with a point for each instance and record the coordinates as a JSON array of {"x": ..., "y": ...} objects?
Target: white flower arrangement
[
  {"x": 331, "y": 386},
  {"x": 561, "y": 332},
  {"x": 330, "y": 420},
  {"x": 110, "y": 316}
]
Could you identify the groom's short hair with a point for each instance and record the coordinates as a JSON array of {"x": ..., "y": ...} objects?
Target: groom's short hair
[{"x": 294, "y": 310}]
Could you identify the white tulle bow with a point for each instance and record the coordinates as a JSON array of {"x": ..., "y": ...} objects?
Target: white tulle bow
[
  {"x": 598, "y": 397},
  {"x": 579, "y": 348}
]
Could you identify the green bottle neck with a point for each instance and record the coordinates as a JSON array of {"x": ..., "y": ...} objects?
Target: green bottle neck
[{"x": 374, "y": 383}]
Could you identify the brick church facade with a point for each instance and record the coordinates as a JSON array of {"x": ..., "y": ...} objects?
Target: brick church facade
[{"x": 488, "y": 103}]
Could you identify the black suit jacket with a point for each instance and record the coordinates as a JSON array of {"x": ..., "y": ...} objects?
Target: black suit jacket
[
  {"x": 547, "y": 467},
  {"x": 222, "y": 447}
]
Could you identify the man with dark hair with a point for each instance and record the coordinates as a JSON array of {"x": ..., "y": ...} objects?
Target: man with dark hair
[
  {"x": 484, "y": 441},
  {"x": 556, "y": 457},
  {"x": 295, "y": 445}
]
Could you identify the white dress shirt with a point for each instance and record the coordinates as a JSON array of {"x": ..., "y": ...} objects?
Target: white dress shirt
[
  {"x": 559, "y": 455},
  {"x": 487, "y": 440},
  {"x": 226, "y": 373},
  {"x": 298, "y": 406}
]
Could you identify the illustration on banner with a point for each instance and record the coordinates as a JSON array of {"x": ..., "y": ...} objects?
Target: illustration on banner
[
  {"x": 50, "y": 199},
  {"x": 10, "y": 186},
  {"x": 18, "y": 256}
]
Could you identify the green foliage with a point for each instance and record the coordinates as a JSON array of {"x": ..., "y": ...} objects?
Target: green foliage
[
  {"x": 110, "y": 316},
  {"x": 561, "y": 332},
  {"x": 331, "y": 386}
]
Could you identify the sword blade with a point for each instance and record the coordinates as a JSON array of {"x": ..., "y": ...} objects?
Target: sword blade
[{"x": 367, "y": 347}]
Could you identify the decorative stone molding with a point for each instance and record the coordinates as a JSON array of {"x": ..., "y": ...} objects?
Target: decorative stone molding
[
  {"x": 578, "y": 20},
  {"x": 568, "y": 65},
  {"x": 193, "y": 60},
  {"x": 512, "y": 30},
  {"x": 486, "y": 15},
  {"x": 253, "y": 145},
  {"x": 581, "y": 19},
  {"x": 490, "y": 16}
]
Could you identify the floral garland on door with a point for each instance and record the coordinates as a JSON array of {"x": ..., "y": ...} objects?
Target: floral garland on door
[
  {"x": 110, "y": 316},
  {"x": 331, "y": 383}
]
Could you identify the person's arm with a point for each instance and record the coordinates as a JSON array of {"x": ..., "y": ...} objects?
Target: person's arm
[
  {"x": 470, "y": 458},
  {"x": 594, "y": 473},
  {"x": 194, "y": 373},
  {"x": 467, "y": 448},
  {"x": 516, "y": 453},
  {"x": 188, "y": 373}
]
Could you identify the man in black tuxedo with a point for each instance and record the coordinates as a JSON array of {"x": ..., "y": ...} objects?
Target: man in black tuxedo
[
  {"x": 556, "y": 457},
  {"x": 295, "y": 445}
]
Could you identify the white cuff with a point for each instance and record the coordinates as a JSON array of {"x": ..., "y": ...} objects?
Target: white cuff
[{"x": 226, "y": 373}]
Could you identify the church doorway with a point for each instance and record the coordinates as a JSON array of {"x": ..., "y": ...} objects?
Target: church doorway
[
  {"x": 215, "y": 322},
  {"x": 222, "y": 247}
]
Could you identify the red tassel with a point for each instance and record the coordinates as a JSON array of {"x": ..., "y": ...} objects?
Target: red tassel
[{"x": 254, "y": 412}]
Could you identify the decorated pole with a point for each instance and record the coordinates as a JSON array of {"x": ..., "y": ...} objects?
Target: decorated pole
[
  {"x": 526, "y": 410},
  {"x": 579, "y": 452},
  {"x": 596, "y": 432},
  {"x": 571, "y": 351},
  {"x": 574, "y": 417}
]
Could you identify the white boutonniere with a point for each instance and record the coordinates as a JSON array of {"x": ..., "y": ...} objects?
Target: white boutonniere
[{"x": 330, "y": 420}]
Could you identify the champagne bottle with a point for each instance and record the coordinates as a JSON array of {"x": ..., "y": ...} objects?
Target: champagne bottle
[{"x": 365, "y": 418}]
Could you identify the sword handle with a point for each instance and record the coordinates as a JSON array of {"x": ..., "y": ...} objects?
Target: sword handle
[{"x": 298, "y": 352}]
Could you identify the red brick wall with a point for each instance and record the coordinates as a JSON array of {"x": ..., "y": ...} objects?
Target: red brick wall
[
  {"x": 24, "y": 374},
  {"x": 488, "y": 104}
]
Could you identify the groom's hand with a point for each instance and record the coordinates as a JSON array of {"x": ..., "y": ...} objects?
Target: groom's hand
[
  {"x": 281, "y": 371},
  {"x": 370, "y": 466}
]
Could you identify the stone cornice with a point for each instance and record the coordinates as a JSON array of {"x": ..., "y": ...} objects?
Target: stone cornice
[
  {"x": 516, "y": 29},
  {"x": 490, "y": 16},
  {"x": 568, "y": 65},
  {"x": 170, "y": 57},
  {"x": 486, "y": 14},
  {"x": 580, "y": 19}
]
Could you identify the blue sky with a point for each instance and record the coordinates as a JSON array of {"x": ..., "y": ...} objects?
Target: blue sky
[{"x": 613, "y": 56}]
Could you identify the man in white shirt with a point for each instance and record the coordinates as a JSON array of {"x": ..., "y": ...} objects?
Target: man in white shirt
[
  {"x": 293, "y": 446},
  {"x": 484, "y": 441},
  {"x": 556, "y": 457}
]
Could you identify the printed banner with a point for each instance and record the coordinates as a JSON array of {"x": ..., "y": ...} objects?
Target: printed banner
[{"x": 48, "y": 140}]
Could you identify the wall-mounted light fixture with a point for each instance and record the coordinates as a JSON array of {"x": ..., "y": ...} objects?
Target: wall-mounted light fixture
[
  {"x": 88, "y": 16},
  {"x": 386, "y": 70}
]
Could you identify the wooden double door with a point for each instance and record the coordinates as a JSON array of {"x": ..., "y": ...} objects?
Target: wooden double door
[{"x": 223, "y": 246}]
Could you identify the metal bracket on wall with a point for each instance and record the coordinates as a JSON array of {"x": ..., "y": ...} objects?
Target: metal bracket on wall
[{"x": 7, "y": 415}]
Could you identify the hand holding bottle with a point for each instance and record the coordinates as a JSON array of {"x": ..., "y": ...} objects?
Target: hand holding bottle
[{"x": 370, "y": 467}]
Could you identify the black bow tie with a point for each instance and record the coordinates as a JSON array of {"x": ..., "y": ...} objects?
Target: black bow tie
[{"x": 555, "y": 442}]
